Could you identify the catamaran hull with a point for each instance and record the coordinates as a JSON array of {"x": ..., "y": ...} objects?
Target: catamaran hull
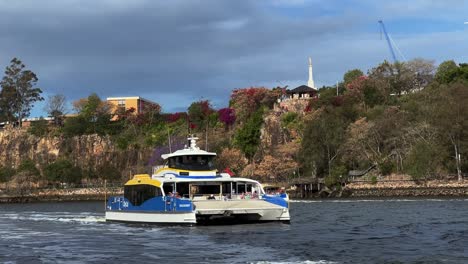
[
  {"x": 151, "y": 217},
  {"x": 228, "y": 217}
]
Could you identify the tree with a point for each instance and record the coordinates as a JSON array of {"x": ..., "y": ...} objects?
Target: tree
[
  {"x": 6, "y": 173},
  {"x": 247, "y": 137},
  {"x": 231, "y": 158},
  {"x": 449, "y": 117},
  {"x": 323, "y": 138},
  {"x": 199, "y": 112},
  {"x": 39, "y": 128},
  {"x": 423, "y": 72},
  {"x": 227, "y": 116},
  {"x": 56, "y": 108},
  {"x": 446, "y": 71},
  {"x": 424, "y": 159},
  {"x": 248, "y": 100},
  {"x": 96, "y": 115},
  {"x": 395, "y": 78},
  {"x": 63, "y": 171},
  {"x": 351, "y": 75},
  {"x": 18, "y": 91}
]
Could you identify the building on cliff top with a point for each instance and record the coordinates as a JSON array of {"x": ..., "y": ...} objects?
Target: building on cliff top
[
  {"x": 296, "y": 100},
  {"x": 304, "y": 91},
  {"x": 138, "y": 103}
]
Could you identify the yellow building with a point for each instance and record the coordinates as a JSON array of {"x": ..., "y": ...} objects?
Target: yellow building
[{"x": 136, "y": 102}]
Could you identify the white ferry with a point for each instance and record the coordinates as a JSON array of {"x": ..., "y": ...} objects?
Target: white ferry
[{"x": 187, "y": 189}]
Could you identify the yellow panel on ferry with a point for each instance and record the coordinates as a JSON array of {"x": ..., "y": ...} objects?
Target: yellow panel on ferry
[{"x": 143, "y": 179}]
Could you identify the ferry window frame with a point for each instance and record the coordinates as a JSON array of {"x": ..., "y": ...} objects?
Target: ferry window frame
[
  {"x": 138, "y": 194},
  {"x": 192, "y": 162}
]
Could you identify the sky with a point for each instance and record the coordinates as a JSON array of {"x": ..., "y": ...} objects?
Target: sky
[{"x": 177, "y": 52}]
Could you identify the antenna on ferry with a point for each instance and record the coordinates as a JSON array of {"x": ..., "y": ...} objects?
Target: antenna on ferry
[{"x": 169, "y": 137}]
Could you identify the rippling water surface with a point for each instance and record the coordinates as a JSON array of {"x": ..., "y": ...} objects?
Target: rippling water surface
[{"x": 329, "y": 231}]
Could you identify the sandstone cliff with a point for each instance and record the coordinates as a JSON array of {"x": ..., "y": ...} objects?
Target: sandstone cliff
[{"x": 87, "y": 151}]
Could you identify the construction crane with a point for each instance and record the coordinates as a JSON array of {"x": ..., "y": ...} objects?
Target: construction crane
[
  {"x": 388, "y": 40},
  {"x": 391, "y": 43}
]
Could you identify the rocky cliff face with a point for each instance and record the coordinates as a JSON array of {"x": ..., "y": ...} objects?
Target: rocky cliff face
[{"x": 86, "y": 151}]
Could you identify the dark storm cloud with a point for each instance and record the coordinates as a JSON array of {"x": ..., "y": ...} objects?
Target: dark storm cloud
[
  {"x": 177, "y": 51},
  {"x": 153, "y": 47}
]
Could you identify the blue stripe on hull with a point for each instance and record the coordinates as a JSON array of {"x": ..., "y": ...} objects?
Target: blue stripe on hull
[{"x": 159, "y": 204}]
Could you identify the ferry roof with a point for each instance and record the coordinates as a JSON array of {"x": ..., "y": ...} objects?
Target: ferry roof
[
  {"x": 194, "y": 180},
  {"x": 193, "y": 149},
  {"x": 143, "y": 179},
  {"x": 188, "y": 152}
]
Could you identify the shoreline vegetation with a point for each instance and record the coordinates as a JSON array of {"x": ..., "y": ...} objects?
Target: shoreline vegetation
[{"x": 405, "y": 119}]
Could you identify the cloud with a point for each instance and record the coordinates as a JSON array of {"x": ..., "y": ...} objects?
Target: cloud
[{"x": 175, "y": 52}]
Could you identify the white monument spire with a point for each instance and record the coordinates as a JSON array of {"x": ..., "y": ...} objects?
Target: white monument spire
[{"x": 310, "y": 83}]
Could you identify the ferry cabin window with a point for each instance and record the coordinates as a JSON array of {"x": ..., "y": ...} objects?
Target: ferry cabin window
[
  {"x": 168, "y": 187},
  {"x": 138, "y": 194},
  {"x": 226, "y": 188},
  {"x": 192, "y": 162},
  {"x": 183, "y": 189},
  {"x": 205, "y": 189}
]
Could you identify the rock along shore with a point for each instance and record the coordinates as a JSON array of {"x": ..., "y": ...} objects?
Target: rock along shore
[
  {"x": 407, "y": 189},
  {"x": 60, "y": 195}
]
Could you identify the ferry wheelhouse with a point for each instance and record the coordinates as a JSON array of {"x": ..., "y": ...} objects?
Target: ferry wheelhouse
[{"x": 187, "y": 189}]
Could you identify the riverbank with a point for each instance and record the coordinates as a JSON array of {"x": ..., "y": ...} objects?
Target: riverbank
[{"x": 60, "y": 195}]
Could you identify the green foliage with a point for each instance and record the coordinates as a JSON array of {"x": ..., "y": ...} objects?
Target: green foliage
[
  {"x": 323, "y": 137},
  {"x": 39, "y": 128},
  {"x": 446, "y": 72},
  {"x": 29, "y": 170},
  {"x": 109, "y": 172},
  {"x": 199, "y": 114},
  {"x": 6, "y": 173},
  {"x": 424, "y": 160},
  {"x": 157, "y": 134},
  {"x": 247, "y": 138},
  {"x": 373, "y": 96},
  {"x": 352, "y": 75},
  {"x": 63, "y": 171},
  {"x": 374, "y": 179},
  {"x": 28, "y": 165},
  {"x": 75, "y": 126},
  {"x": 289, "y": 118},
  {"x": 387, "y": 167},
  {"x": 331, "y": 180}
]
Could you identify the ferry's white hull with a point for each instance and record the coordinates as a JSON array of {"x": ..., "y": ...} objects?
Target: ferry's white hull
[{"x": 151, "y": 217}]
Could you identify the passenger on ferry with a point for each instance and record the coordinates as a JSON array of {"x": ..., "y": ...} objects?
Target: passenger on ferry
[
  {"x": 242, "y": 195},
  {"x": 177, "y": 195},
  {"x": 170, "y": 194},
  {"x": 255, "y": 195},
  {"x": 211, "y": 197}
]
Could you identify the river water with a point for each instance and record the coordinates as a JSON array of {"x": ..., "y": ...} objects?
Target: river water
[{"x": 327, "y": 231}]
